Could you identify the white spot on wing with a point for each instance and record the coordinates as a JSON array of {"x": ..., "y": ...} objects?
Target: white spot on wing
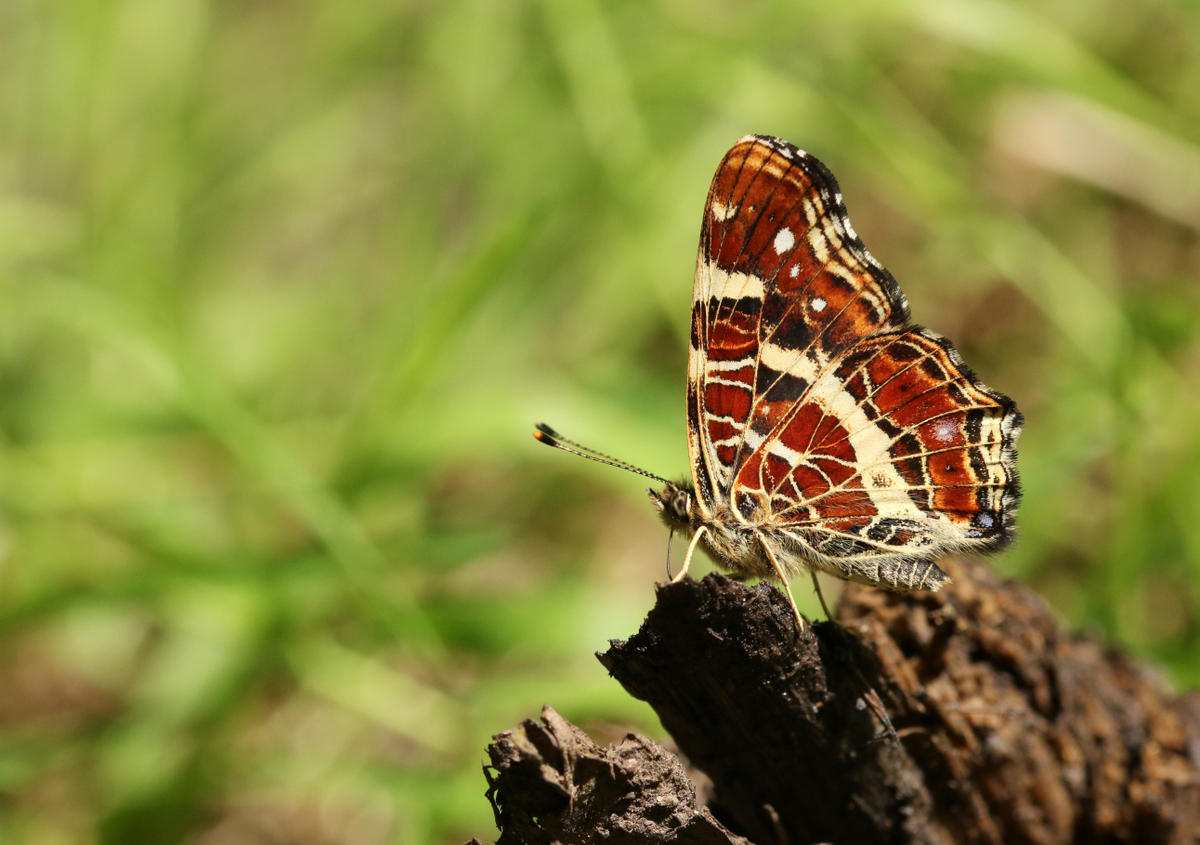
[
  {"x": 795, "y": 271},
  {"x": 712, "y": 378},
  {"x": 753, "y": 438},
  {"x": 818, "y": 243},
  {"x": 785, "y": 240},
  {"x": 725, "y": 285},
  {"x": 805, "y": 364},
  {"x": 818, "y": 304},
  {"x": 722, "y": 212},
  {"x": 730, "y": 366},
  {"x": 944, "y": 430}
]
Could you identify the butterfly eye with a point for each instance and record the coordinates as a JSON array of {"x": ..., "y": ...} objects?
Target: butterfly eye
[{"x": 681, "y": 504}]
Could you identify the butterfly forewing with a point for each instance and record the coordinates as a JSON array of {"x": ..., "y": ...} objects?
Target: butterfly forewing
[
  {"x": 815, "y": 409},
  {"x": 779, "y": 294}
]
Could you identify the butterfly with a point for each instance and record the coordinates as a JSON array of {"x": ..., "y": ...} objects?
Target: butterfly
[{"x": 827, "y": 433}]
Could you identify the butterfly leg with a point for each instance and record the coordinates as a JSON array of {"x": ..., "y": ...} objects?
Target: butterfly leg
[
  {"x": 783, "y": 580},
  {"x": 687, "y": 560},
  {"x": 817, "y": 587}
]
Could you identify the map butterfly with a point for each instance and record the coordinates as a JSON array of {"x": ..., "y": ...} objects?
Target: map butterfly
[{"x": 826, "y": 432}]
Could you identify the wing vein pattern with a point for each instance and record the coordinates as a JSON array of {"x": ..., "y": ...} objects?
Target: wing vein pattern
[{"x": 817, "y": 412}]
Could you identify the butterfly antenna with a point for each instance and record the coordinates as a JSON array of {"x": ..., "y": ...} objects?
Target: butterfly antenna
[
  {"x": 545, "y": 429},
  {"x": 545, "y": 434}
]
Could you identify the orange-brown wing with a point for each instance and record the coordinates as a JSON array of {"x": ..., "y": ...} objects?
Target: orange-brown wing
[
  {"x": 801, "y": 351},
  {"x": 783, "y": 287}
]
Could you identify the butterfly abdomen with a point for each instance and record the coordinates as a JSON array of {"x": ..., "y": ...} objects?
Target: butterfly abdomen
[{"x": 899, "y": 575}]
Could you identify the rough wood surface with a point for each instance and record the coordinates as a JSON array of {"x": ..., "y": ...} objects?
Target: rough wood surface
[
  {"x": 964, "y": 716},
  {"x": 550, "y": 783}
]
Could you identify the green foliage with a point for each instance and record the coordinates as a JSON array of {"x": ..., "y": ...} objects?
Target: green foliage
[{"x": 284, "y": 286}]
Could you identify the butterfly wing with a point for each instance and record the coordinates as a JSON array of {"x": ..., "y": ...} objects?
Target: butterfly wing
[
  {"x": 816, "y": 411},
  {"x": 771, "y": 308}
]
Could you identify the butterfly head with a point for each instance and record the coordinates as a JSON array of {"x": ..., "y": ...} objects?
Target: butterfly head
[{"x": 674, "y": 504}]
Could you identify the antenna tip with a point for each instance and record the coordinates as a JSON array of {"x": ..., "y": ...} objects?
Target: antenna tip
[
  {"x": 542, "y": 437},
  {"x": 542, "y": 427}
]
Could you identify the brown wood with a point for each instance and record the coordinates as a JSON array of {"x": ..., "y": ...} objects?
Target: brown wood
[
  {"x": 964, "y": 716},
  {"x": 553, "y": 784}
]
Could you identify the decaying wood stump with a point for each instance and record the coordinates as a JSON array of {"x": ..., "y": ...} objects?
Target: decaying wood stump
[
  {"x": 963, "y": 716},
  {"x": 556, "y": 785}
]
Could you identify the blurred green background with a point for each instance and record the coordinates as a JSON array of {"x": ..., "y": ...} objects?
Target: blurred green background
[{"x": 285, "y": 285}]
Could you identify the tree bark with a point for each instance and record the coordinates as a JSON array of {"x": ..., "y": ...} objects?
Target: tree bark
[{"x": 963, "y": 716}]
